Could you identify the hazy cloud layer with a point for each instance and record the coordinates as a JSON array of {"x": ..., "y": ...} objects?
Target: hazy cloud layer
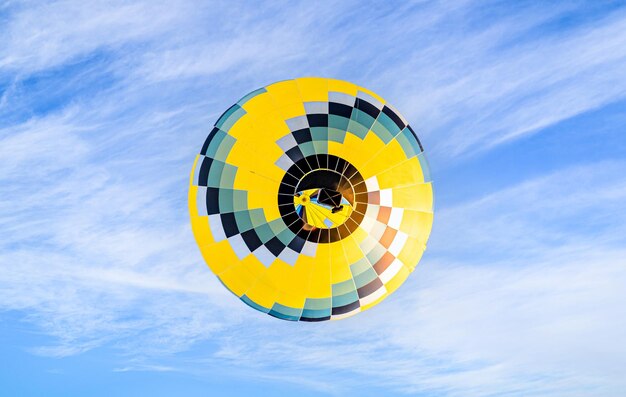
[{"x": 104, "y": 107}]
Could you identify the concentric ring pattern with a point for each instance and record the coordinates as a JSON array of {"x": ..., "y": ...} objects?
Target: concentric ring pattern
[{"x": 311, "y": 199}]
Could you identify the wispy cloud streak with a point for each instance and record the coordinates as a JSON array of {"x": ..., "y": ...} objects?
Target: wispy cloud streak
[{"x": 104, "y": 105}]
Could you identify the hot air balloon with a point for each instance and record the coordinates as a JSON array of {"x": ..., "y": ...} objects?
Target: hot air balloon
[{"x": 311, "y": 199}]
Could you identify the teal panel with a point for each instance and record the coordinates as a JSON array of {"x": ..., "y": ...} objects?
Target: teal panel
[
  {"x": 360, "y": 266},
  {"x": 365, "y": 277},
  {"x": 389, "y": 124},
  {"x": 309, "y": 313},
  {"x": 343, "y": 287},
  {"x": 264, "y": 232},
  {"x": 412, "y": 141},
  {"x": 277, "y": 226},
  {"x": 338, "y": 122},
  {"x": 215, "y": 143},
  {"x": 242, "y": 218},
  {"x": 215, "y": 174},
  {"x": 257, "y": 217},
  {"x": 357, "y": 129},
  {"x": 317, "y": 304},
  {"x": 336, "y": 134},
  {"x": 230, "y": 117},
  {"x": 286, "y": 236},
  {"x": 406, "y": 145},
  {"x": 362, "y": 118},
  {"x": 321, "y": 147},
  {"x": 425, "y": 167},
  {"x": 226, "y": 200},
  {"x": 285, "y": 312},
  {"x": 376, "y": 253},
  {"x": 240, "y": 200},
  {"x": 307, "y": 148},
  {"x": 228, "y": 176},
  {"x": 254, "y": 305},
  {"x": 319, "y": 133},
  {"x": 225, "y": 147},
  {"x": 345, "y": 299},
  {"x": 250, "y": 96},
  {"x": 382, "y": 132}
]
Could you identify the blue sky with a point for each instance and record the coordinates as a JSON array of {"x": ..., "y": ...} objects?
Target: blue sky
[{"x": 521, "y": 107}]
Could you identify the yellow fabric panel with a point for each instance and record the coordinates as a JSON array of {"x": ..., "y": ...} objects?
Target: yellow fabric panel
[
  {"x": 342, "y": 86},
  {"x": 219, "y": 256},
  {"x": 372, "y": 145},
  {"x": 271, "y": 127},
  {"x": 284, "y": 93},
  {"x": 241, "y": 276},
  {"x": 262, "y": 293},
  {"x": 191, "y": 200},
  {"x": 295, "y": 301},
  {"x": 254, "y": 182},
  {"x": 245, "y": 126},
  {"x": 335, "y": 147},
  {"x": 262, "y": 150},
  {"x": 412, "y": 252},
  {"x": 339, "y": 266},
  {"x": 305, "y": 266},
  {"x": 251, "y": 166},
  {"x": 415, "y": 197},
  {"x": 201, "y": 230},
  {"x": 287, "y": 278},
  {"x": 248, "y": 171},
  {"x": 247, "y": 131},
  {"x": 319, "y": 280},
  {"x": 291, "y": 110},
  {"x": 381, "y": 159},
  {"x": 260, "y": 104},
  {"x": 361, "y": 151},
  {"x": 313, "y": 89},
  {"x": 417, "y": 224},
  {"x": 266, "y": 170},
  {"x": 260, "y": 199},
  {"x": 408, "y": 172},
  {"x": 359, "y": 235},
  {"x": 287, "y": 98},
  {"x": 254, "y": 267},
  {"x": 352, "y": 251}
]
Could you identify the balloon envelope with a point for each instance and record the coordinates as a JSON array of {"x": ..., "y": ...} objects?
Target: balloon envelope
[{"x": 311, "y": 199}]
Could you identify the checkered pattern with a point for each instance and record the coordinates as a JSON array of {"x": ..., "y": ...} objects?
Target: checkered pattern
[{"x": 295, "y": 135}]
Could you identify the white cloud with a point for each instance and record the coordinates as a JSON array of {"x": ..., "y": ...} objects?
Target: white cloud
[
  {"x": 508, "y": 78},
  {"x": 520, "y": 292},
  {"x": 537, "y": 215},
  {"x": 44, "y": 35}
]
